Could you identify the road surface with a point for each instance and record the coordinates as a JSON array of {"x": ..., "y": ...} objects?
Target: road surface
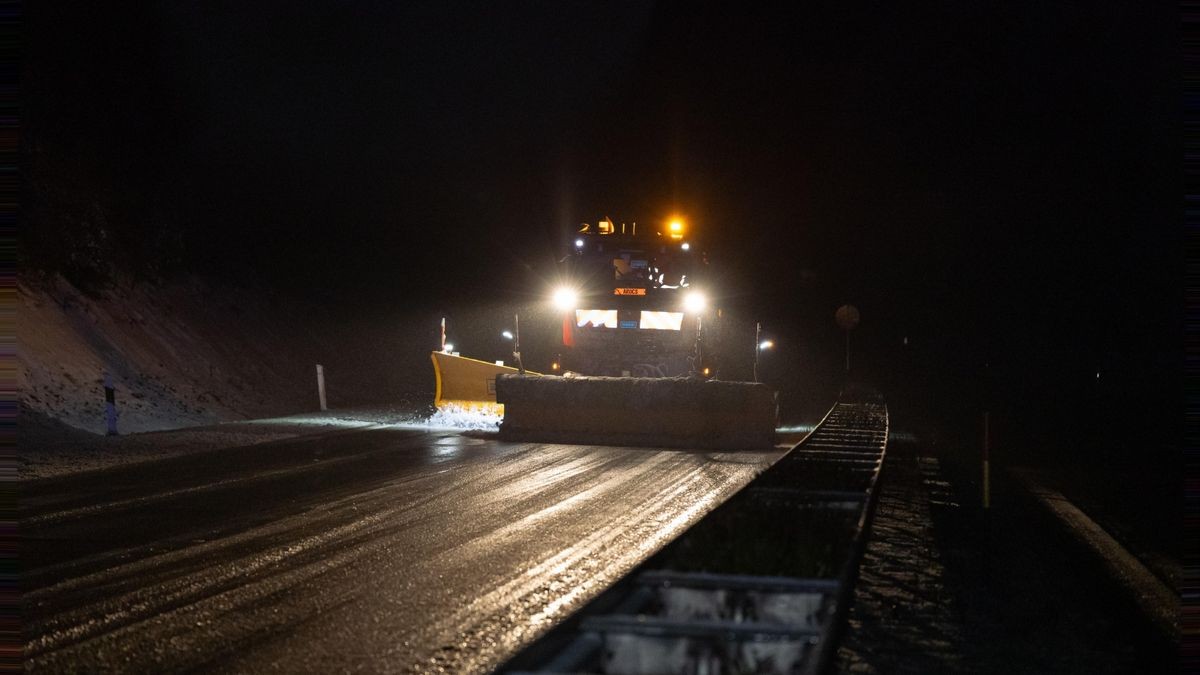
[{"x": 389, "y": 549}]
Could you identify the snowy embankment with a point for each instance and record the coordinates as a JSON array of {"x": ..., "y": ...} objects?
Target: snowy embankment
[{"x": 189, "y": 355}]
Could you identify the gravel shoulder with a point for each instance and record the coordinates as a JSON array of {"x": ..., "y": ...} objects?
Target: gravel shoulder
[
  {"x": 948, "y": 587},
  {"x": 905, "y": 618}
]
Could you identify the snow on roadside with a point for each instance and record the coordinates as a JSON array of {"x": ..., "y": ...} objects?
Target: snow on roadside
[
  {"x": 198, "y": 366},
  {"x": 192, "y": 353},
  {"x": 46, "y": 448}
]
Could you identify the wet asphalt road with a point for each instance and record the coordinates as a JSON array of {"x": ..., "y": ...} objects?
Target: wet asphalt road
[{"x": 379, "y": 550}]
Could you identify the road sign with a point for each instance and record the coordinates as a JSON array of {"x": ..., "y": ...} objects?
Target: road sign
[{"x": 847, "y": 317}]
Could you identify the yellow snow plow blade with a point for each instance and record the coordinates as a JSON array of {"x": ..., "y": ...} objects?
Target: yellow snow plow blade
[{"x": 468, "y": 384}]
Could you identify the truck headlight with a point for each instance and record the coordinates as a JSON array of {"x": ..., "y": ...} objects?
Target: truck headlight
[
  {"x": 694, "y": 302},
  {"x": 565, "y": 298}
]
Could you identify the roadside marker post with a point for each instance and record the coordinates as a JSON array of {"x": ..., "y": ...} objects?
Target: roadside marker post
[
  {"x": 321, "y": 387},
  {"x": 517, "y": 343},
  {"x": 110, "y": 405}
]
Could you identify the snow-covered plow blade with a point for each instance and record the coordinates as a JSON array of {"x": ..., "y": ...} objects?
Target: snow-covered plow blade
[
  {"x": 661, "y": 412},
  {"x": 466, "y": 384}
]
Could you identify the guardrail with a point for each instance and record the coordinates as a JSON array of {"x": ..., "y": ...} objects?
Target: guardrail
[{"x": 762, "y": 584}]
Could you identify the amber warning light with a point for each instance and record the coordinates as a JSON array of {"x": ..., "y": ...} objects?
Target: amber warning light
[{"x": 629, "y": 291}]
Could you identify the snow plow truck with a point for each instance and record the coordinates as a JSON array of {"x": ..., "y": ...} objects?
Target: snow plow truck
[{"x": 633, "y": 367}]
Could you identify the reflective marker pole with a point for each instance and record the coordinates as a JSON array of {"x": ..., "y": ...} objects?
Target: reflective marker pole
[
  {"x": 321, "y": 386},
  {"x": 517, "y": 343},
  {"x": 987, "y": 477},
  {"x": 757, "y": 346},
  {"x": 110, "y": 405}
]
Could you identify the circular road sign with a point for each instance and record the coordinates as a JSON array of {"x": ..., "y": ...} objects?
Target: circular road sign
[{"x": 847, "y": 317}]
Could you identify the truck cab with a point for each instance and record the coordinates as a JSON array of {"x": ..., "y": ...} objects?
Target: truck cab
[{"x": 633, "y": 302}]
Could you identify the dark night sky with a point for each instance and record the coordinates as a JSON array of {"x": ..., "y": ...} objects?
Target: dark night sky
[{"x": 998, "y": 181}]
